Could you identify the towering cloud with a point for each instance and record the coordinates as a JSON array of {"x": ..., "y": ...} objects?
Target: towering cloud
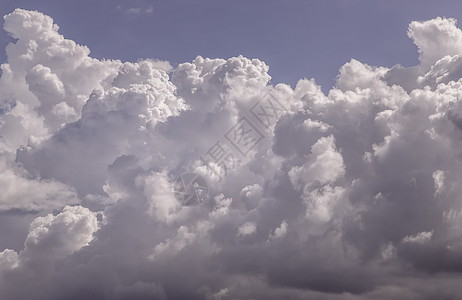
[{"x": 349, "y": 195}]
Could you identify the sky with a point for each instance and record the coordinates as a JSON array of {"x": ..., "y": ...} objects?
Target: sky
[
  {"x": 296, "y": 38},
  {"x": 230, "y": 150}
]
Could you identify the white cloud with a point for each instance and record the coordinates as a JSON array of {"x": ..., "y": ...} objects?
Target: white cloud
[
  {"x": 420, "y": 238},
  {"x": 321, "y": 126},
  {"x": 20, "y": 192},
  {"x": 133, "y": 11},
  {"x": 61, "y": 235},
  {"x": 162, "y": 202},
  {"x": 247, "y": 228},
  {"x": 438, "y": 177},
  {"x": 435, "y": 39},
  {"x": 322, "y": 202},
  {"x": 252, "y": 195},
  {"x": 280, "y": 231},
  {"x": 8, "y": 259},
  {"x": 324, "y": 164},
  {"x": 173, "y": 246}
]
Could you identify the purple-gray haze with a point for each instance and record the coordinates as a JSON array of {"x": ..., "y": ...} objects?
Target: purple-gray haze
[{"x": 299, "y": 192}]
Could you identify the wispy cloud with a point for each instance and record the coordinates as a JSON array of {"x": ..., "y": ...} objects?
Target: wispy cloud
[{"x": 133, "y": 11}]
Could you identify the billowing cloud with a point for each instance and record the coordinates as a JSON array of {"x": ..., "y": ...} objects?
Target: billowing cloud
[{"x": 353, "y": 194}]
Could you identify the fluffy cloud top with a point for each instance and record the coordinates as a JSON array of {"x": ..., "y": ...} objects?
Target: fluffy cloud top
[{"x": 349, "y": 195}]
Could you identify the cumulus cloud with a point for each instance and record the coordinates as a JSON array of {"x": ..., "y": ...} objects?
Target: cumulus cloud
[
  {"x": 435, "y": 39},
  {"x": 353, "y": 194},
  {"x": 50, "y": 239}
]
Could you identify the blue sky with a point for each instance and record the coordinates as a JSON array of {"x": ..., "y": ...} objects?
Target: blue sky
[{"x": 295, "y": 38}]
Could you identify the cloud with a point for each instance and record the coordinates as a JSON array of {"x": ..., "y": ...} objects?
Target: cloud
[
  {"x": 420, "y": 238},
  {"x": 133, "y": 11},
  {"x": 353, "y": 194},
  {"x": 22, "y": 192},
  {"x": 50, "y": 239},
  {"x": 57, "y": 236},
  {"x": 280, "y": 231},
  {"x": 435, "y": 39},
  {"x": 247, "y": 228},
  {"x": 325, "y": 164}
]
